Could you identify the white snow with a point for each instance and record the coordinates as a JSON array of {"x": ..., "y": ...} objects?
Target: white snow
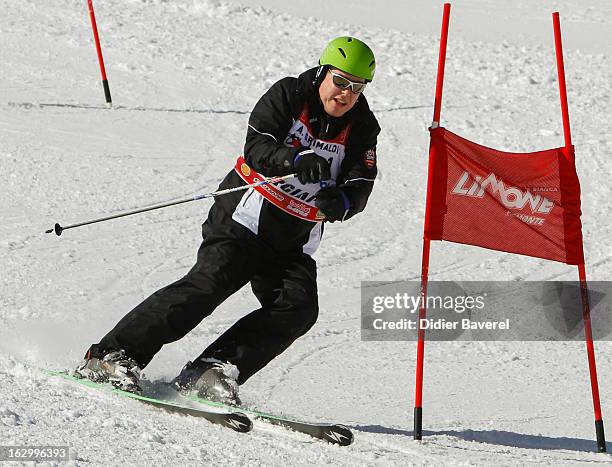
[{"x": 183, "y": 76}]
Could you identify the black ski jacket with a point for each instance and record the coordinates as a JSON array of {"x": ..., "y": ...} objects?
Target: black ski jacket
[{"x": 268, "y": 150}]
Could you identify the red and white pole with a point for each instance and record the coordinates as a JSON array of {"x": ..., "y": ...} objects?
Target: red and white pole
[
  {"x": 418, "y": 393},
  {"x": 94, "y": 26},
  {"x": 586, "y": 314}
]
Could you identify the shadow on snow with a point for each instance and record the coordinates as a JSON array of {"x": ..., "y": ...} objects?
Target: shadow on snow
[{"x": 498, "y": 437}]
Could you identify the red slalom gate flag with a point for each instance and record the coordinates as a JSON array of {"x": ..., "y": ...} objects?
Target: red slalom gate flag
[{"x": 524, "y": 203}]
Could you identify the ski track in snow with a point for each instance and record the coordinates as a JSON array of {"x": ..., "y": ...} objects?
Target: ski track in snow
[{"x": 184, "y": 76}]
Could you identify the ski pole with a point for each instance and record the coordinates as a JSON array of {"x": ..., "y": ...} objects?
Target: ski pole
[{"x": 58, "y": 229}]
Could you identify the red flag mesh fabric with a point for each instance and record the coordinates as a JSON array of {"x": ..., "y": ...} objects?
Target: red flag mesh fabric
[{"x": 525, "y": 203}]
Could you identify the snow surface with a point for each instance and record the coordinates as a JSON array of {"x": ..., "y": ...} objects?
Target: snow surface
[{"x": 184, "y": 75}]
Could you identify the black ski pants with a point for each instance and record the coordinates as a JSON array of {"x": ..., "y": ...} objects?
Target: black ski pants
[{"x": 229, "y": 257}]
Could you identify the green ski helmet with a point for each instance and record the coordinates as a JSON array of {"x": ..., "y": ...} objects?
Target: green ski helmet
[{"x": 350, "y": 55}]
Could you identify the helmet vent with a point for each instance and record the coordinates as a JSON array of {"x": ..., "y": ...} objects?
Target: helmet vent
[
  {"x": 349, "y": 39},
  {"x": 371, "y": 64},
  {"x": 342, "y": 52}
]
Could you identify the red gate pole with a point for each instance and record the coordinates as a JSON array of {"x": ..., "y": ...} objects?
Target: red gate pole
[
  {"x": 94, "y": 26},
  {"x": 586, "y": 314},
  {"x": 418, "y": 393}
]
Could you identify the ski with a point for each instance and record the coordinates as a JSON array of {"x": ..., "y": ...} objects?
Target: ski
[
  {"x": 330, "y": 432},
  {"x": 234, "y": 419}
]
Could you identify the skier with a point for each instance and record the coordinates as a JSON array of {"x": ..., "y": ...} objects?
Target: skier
[{"x": 318, "y": 126}]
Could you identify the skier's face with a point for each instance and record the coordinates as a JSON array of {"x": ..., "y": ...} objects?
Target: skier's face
[{"x": 337, "y": 101}]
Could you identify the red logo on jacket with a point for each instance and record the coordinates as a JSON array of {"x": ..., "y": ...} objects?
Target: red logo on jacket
[{"x": 369, "y": 158}]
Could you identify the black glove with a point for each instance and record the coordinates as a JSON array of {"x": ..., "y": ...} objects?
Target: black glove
[
  {"x": 334, "y": 203},
  {"x": 310, "y": 168}
]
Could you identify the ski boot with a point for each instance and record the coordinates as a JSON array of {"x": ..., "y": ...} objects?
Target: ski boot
[
  {"x": 209, "y": 379},
  {"x": 114, "y": 367}
]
